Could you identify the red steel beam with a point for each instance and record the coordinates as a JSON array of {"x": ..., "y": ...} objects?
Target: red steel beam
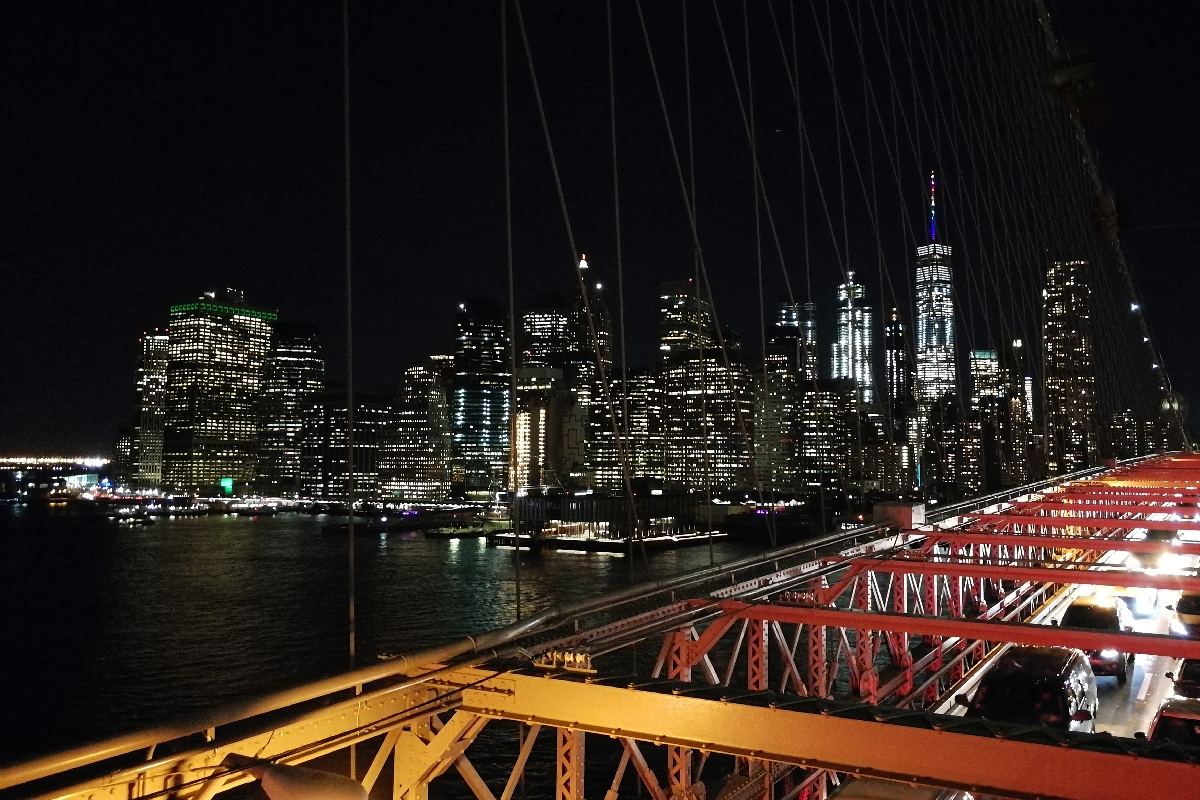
[
  {"x": 1106, "y": 508},
  {"x": 1063, "y": 542},
  {"x": 1087, "y": 522},
  {"x": 1088, "y": 492},
  {"x": 1016, "y": 632},
  {"x": 1087, "y": 577}
]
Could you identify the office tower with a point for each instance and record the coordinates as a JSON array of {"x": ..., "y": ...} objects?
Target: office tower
[
  {"x": 414, "y": 459},
  {"x": 898, "y": 371},
  {"x": 644, "y": 428},
  {"x": 936, "y": 373},
  {"x": 479, "y": 403},
  {"x": 152, "y": 409},
  {"x": 216, "y": 347},
  {"x": 1127, "y": 435},
  {"x": 549, "y": 429},
  {"x": 591, "y": 337},
  {"x": 986, "y": 380},
  {"x": 787, "y": 364},
  {"x": 546, "y": 331},
  {"x": 125, "y": 457},
  {"x": 853, "y": 347},
  {"x": 685, "y": 320},
  {"x": 952, "y": 458},
  {"x": 1070, "y": 383},
  {"x": 826, "y": 426},
  {"x": 292, "y": 378},
  {"x": 708, "y": 419},
  {"x": 323, "y": 445}
]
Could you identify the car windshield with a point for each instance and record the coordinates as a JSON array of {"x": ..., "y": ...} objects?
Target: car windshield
[
  {"x": 1021, "y": 698},
  {"x": 1180, "y": 730},
  {"x": 1190, "y": 671},
  {"x": 1188, "y": 604},
  {"x": 1085, "y": 616}
]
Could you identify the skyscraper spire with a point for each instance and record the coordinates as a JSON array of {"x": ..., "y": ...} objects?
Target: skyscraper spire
[{"x": 932, "y": 208}]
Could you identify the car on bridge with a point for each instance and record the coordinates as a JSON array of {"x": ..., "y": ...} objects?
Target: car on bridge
[
  {"x": 1186, "y": 620},
  {"x": 1052, "y": 686},
  {"x": 1103, "y": 612},
  {"x": 1177, "y": 720},
  {"x": 1186, "y": 678}
]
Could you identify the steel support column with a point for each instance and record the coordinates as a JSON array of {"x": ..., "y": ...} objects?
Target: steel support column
[{"x": 569, "y": 780}]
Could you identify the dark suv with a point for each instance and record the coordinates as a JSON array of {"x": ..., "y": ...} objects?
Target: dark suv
[
  {"x": 1103, "y": 613},
  {"x": 1051, "y": 686}
]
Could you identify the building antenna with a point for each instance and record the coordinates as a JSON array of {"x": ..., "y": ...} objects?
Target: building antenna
[{"x": 932, "y": 207}]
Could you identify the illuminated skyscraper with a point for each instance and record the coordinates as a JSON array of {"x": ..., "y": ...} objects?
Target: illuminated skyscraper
[
  {"x": 826, "y": 427},
  {"x": 705, "y": 405},
  {"x": 853, "y": 348},
  {"x": 789, "y": 368},
  {"x": 1071, "y": 441},
  {"x": 685, "y": 320},
  {"x": 293, "y": 377},
  {"x": 898, "y": 370},
  {"x": 986, "y": 377},
  {"x": 479, "y": 404},
  {"x": 546, "y": 328},
  {"x": 936, "y": 372},
  {"x": 414, "y": 458},
  {"x": 152, "y": 409},
  {"x": 323, "y": 445},
  {"x": 217, "y": 347}
]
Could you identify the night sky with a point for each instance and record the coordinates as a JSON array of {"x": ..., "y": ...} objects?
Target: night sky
[{"x": 150, "y": 152}]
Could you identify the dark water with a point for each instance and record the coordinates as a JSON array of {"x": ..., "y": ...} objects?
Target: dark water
[{"x": 107, "y": 629}]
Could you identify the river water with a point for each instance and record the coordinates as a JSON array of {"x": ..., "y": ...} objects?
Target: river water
[{"x": 107, "y": 628}]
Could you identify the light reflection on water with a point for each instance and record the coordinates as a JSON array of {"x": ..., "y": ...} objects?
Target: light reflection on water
[{"x": 108, "y": 629}]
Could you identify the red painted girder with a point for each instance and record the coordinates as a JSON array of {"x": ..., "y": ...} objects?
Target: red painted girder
[
  {"x": 1106, "y": 508},
  {"x": 1063, "y": 542},
  {"x": 1087, "y": 522},
  {"x": 1015, "y": 632},
  {"x": 1086, "y": 492},
  {"x": 1088, "y": 577}
]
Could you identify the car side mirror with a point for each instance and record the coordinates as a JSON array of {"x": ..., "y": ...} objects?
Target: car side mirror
[
  {"x": 1128, "y": 629},
  {"x": 1169, "y": 607},
  {"x": 1140, "y": 735},
  {"x": 1082, "y": 715},
  {"x": 962, "y": 699},
  {"x": 1169, "y": 675},
  {"x": 1054, "y": 622}
]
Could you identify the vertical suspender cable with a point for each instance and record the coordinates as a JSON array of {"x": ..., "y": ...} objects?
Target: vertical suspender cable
[
  {"x": 513, "y": 478},
  {"x": 349, "y": 316},
  {"x": 612, "y": 120},
  {"x": 349, "y": 354}
]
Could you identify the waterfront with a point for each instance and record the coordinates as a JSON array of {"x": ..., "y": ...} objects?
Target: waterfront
[{"x": 109, "y": 628}]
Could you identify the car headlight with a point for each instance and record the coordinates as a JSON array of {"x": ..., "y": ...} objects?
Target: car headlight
[
  {"x": 1178, "y": 627},
  {"x": 1133, "y": 562},
  {"x": 1109, "y": 654}
]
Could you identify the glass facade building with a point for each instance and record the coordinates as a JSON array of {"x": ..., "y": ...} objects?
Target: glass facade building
[
  {"x": 852, "y": 350},
  {"x": 1067, "y": 357},
  {"x": 293, "y": 377},
  {"x": 152, "y": 409},
  {"x": 479, "y": 397},
  {"x": 217, "y": 348}
]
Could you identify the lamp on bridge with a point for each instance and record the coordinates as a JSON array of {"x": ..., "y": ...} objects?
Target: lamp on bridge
[{"x": 283, "y": 782}]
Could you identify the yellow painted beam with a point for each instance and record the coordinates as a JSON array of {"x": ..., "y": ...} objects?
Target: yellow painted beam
[{"x": 1008, "y": 768}]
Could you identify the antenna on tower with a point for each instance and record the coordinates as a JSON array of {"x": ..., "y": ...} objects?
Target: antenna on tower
[{"x": 932, "y": 207}]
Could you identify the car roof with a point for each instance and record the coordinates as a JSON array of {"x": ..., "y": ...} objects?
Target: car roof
[
  {"x": 1032, "y": 661},
  {"x": 1096, "y": 600},
  {"x": 1186, "y": 707}
]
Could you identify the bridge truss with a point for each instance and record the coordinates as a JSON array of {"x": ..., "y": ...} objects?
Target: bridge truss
[{"x": 808, "y": 665}]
